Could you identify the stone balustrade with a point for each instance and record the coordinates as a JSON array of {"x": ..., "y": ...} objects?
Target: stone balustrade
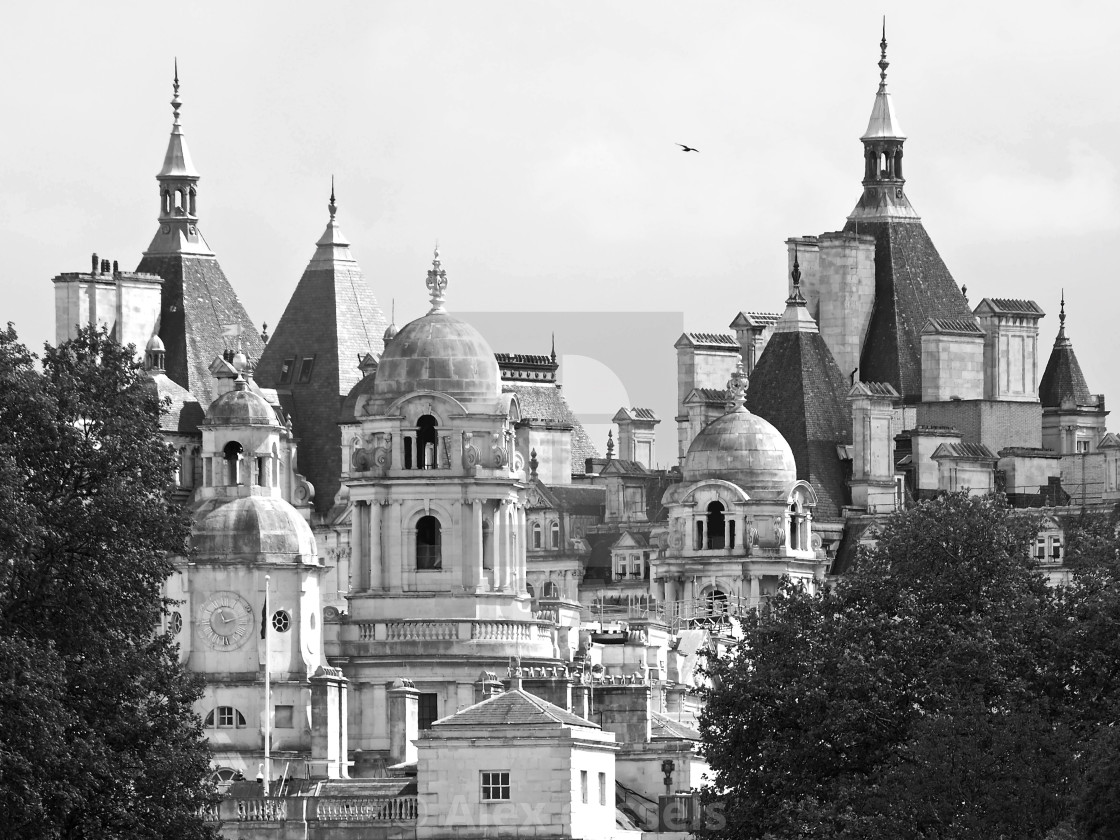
[
  {"x": 449, "y": 630},
  {"x": 362, "y": 809}
]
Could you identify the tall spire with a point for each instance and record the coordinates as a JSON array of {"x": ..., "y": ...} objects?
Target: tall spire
[
  {"x": 883, "y": 123},
  {"x": 178, "y": 191},
  {"x": 437, "y": 284}
]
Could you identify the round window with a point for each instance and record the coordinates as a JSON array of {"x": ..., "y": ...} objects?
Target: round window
[
  {"x": 176, "y": 623},
  {"x": 281, "y": 621}
]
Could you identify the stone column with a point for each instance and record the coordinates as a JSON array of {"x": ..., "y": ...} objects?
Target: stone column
[
  {"x": 404, "y": 720},
  {"x": 359, "y": 539},
  {"x": 522, "y": 548},
  {"x": 328, "y": 724},
  {"x": 376, "y": 571},
  {"x": 478, "y": 573},
  {"x": 755, "y": 591}
]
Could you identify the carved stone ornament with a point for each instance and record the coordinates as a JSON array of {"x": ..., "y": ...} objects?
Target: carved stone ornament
[
  {"x": 779, "y": 529},
  {"x": 471, "y": 455},
  {"x": 498, "y": 455}
]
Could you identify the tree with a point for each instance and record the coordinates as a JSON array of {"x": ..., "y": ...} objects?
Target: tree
[
  {"x": 921, "y": 696},
  {"x": 97, "y": 733}
]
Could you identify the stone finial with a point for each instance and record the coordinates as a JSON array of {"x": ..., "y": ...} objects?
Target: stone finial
[
  {"x": 1062, "y": 317},
  {"x": 796, "y": 298},
  {"x": 554, "y": 348},
  {"x": 610, "y": 444},
  {"x": 437, "y": 284},
  {"x": 964, "y": 291},
  {"x": 533, "y": 463},
  {"x": 331, "y": 207},
  {"x": 264, "y": 333},
  {"x": 737, "y": 387}
]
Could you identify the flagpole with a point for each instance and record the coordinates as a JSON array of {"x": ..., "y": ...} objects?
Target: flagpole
[{"x": 267, "y": 692}]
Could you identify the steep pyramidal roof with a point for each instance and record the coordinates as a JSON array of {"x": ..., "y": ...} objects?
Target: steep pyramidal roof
[
  {"x": 1063, "y": 380},
  {"x": 912, "y": 283},
  {"x": 200, "y": 315},
  {"x": 797, "y": 386},
  {"x": 333, "y": 320}
]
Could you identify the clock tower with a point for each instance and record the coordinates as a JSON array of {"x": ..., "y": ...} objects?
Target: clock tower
[{"x": 249, "y": 590}]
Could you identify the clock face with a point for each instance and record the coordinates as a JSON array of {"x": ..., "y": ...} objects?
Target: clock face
[{"x": 225, "y": 620}]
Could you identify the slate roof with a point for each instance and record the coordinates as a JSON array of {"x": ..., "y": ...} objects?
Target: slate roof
[
  {"x": 516, "y": 708},
  {"x": 912, "y": 285},
  {"x": 546, "y": 403},
  {"x": 873, "y": 389},
  {"x": 1014, "y": 306},
  {"x": 333, "y": 317},
  {"x": 952, "y": 326},
  {"x": 755, "y": 319},
  {"x": 718, "y": 341},
  {"x": 706, "y": 395},
  {"x": 972, "y": 451},
  {"x": 798, "y": 388},
  {"x": 635, "y": 413},
  {"x": 198, "y": 302},
  {"x": 665, "y": 728},
  {"x": 1063, "y": 378},
  {"x": 183, "y": 414},
  {"x": 585, "y": 500}
]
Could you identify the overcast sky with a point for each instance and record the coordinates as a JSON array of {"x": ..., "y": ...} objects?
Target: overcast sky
[{"x": 536, "y": 141}]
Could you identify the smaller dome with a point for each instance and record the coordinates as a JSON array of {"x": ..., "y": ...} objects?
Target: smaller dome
[
  {"x": 251, "y": 526},
  {"x": 155, "y": 345},
  {"x": 744, "y": 449},
  {"x": 241, "y": 407}
]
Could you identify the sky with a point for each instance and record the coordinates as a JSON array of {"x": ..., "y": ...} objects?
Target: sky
[{"x": 537, "y": 142}]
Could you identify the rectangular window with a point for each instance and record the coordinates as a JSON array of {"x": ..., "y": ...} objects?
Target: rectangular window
[
  {"x": 495, "y": 785},
  {"x": 583, "y": 786},
  {"x": 602, "y": 788},
  {"x": 427, "y": 710},
  {"x": 284, "y": 717},
  {"x": 305, "y": 369},
  {"x": 286, "y": 371},
  {"x": 1083, "y": 446}
]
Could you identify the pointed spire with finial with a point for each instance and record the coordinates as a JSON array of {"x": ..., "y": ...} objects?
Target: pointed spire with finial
[
  {"x": 331, "y": 208},
  {"x": 554, "y": 348},
  {"x": 883, "y": 124},
  {"x": 796, "y": 318},
  {"x": 883, "y": 63},
  {"x": 1062, "y": 320},
  {"x": 332, "y": 245},
  {"x": 437, "y": 284},
  {"x": 176, "y": 104}
]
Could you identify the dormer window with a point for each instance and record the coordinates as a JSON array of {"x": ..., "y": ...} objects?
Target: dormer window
[
  {"x": 305, "y": 368},
  {"x": 286, "y": 371}
]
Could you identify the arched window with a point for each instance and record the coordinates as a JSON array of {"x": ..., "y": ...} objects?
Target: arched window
[
  {"x": 532, "y": 592},
  {"x": 224, "y": 717},
  {"x": 536, "y": 535},
  {"x": 555, "y": 535},
  {"x": 794, "y": 527},
  {"x": 715, "y": 525},
  {"x": 407, "y": 452},
  {"x": 428, "y": 544},
  {"x": 192, "y": 198},
  {"x": 550, "y": 590},
  {"x": 427, "y": 441},
  {"x": 232, "y": 454},
  {"x": 716, "y": 603}
]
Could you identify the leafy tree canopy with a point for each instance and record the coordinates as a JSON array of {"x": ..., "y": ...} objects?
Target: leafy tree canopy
[
  {"x": 940, "y": 690},
  {"x": 97, "y": 735}
]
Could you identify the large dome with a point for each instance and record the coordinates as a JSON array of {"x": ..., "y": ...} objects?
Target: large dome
[
  {"x": 437, "y": 353},
  {"x": 744, "y": 449},
  {"x": 249, "y": 527}
]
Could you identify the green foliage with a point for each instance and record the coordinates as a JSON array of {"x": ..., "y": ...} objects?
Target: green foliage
[
  {"x": 923, "y": 696},
  {"x": 97, "y": 735}
]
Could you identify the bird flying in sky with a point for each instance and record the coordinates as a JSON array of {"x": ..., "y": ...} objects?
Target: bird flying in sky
[{"x": 687, "y": 148}]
